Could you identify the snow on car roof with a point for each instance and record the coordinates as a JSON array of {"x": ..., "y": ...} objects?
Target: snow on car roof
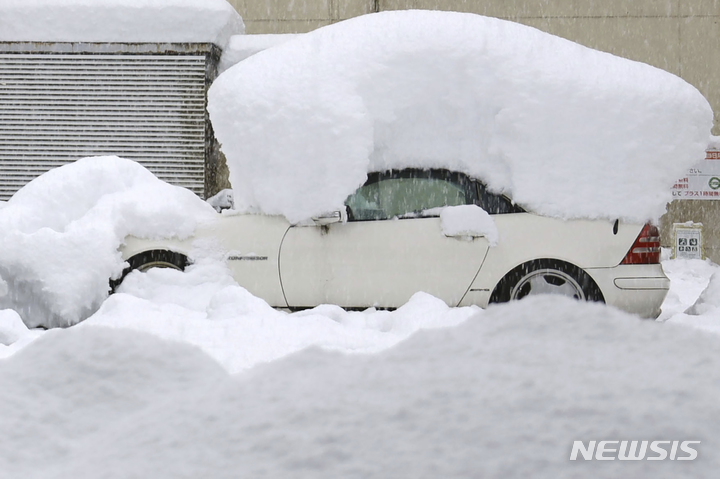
[
  {"x": 563, "y": 129},
  {"x": 166, "y": 21}
]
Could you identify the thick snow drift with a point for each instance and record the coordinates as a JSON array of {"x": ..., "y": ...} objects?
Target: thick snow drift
[
  {"x": 205, "y": 307},
  {"x": 124, "y": 21},
  {"x": 59, "y": 234},
  {"x": 504, "y": 394},
  {"x": 563, "y": 129}
]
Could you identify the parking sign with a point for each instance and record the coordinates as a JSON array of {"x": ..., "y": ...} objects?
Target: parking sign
[{"x": 687, "y": 242}]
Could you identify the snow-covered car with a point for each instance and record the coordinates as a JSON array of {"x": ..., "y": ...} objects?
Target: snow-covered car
[{"x": 392, "y": 241}]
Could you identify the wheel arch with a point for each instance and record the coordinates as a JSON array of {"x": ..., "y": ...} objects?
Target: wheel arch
[
  {"x": 160, "y": 256},
  {"x": 496, "y": 296}
]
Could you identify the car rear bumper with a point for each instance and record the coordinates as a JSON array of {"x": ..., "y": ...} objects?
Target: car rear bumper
[{"x": 636, "y": 288}]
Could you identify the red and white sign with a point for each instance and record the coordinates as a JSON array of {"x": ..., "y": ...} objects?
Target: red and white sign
[{"x": 702, "y": 182}]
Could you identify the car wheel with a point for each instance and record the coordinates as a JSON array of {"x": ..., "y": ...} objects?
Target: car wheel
[
  {"x": 152, "y": 259},
  {"x": 546, "y": 277}
]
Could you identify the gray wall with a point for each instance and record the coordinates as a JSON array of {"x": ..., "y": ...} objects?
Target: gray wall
[{"x": 298, "y": 16}]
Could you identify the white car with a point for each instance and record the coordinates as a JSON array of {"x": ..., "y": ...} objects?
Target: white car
[{"x": 389, "y": 244}]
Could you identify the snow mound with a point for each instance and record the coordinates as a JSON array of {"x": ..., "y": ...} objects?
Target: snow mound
[
  {"x": 14, "y": 335},
  {"x": 59, "y": 234},
  {"x": 124, "y": 21},
  {"x": 704, "y": 314},
  {"x": 504, "y": 394},
  {"x": 565, "y": 130},
  {"x": 709, "y": 299},
  {"x": 468, "y": 220},
  {"x": 205, "y": 307},
  {"x": 72, "y": 384},
  {"x": 692, "y": 300},
  {"x": 12, "y": 327},
  {"x": 688, "y": 279}
]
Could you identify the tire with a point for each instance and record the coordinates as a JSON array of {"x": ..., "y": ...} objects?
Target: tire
[
  {"x": 546, "y": 276},
  {"x": 151, "y": 259}
]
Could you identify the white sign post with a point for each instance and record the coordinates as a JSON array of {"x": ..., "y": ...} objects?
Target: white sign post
[{"x": 687, "y": 241}]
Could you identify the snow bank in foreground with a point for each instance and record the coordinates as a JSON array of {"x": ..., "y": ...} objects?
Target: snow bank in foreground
[
  {"x": 565, "y": 130},
  {"x": 205, "y": 307},
  {"x": 501, "y": 395},
  {"x": 60, "y": 233},
  {"x": 163, "y": 21}
]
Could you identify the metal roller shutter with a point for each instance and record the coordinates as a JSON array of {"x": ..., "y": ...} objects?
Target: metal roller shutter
[{"x": 57, "y": 108}]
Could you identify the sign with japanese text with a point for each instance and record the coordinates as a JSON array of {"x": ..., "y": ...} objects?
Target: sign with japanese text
[{"x": 702, "y": 182}]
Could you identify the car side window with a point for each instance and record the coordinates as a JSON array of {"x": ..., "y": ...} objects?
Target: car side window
[
  {"x": 409, "y": 194},
  {"x": 496, "y": 204}
]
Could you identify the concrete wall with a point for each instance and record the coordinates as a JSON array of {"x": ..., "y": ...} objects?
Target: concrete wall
[
  {"x": 680, "y": 36},
  {"x": 297, "y": 16}
]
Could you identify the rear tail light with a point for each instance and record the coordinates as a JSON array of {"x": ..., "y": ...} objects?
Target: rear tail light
[{"x": 646, "y": 249}]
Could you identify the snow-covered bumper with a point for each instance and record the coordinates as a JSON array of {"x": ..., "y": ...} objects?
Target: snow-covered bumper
[{"x": 636, "y": 288}]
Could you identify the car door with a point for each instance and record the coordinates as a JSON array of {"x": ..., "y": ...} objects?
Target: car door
[
  {"x": 250, "y": 245},
  {"x": 391, "y": 247}
]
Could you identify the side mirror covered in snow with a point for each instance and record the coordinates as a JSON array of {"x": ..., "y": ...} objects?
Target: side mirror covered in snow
[
  {"x": 468, "y": 221},
  {"x": 224, "y": 200}
]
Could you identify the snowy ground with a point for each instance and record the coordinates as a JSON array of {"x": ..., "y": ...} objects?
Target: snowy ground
[{"x": 218, "y": 388}]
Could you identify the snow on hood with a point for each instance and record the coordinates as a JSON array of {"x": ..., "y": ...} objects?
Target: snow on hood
[
  {"x": 59, "y": 234},
  {"x": 126, "y": 21},
  {"x": 565, "y": 130}
]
